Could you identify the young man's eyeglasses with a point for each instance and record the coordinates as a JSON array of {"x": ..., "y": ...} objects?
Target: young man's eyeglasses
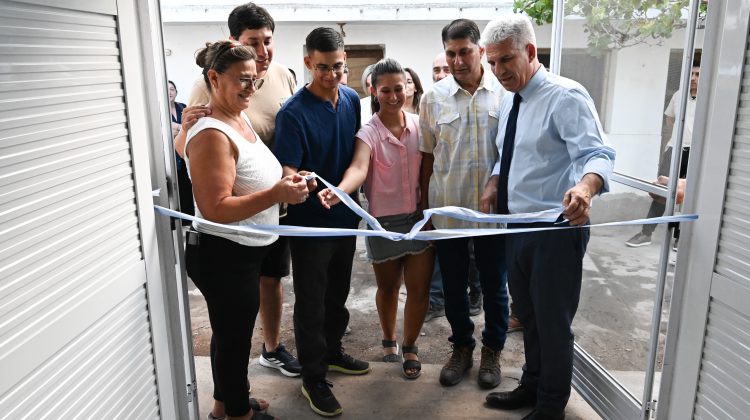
[
  {"x": 336, "y": 68},
  {"x": 246, "y": 82}
]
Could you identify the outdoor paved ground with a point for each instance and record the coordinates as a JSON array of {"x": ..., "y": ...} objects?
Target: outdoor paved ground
[
  {"x": 383, "y": 394},
  {"x": 612, "y": 323}
]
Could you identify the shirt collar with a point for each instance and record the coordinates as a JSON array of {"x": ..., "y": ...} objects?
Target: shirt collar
[
  {"x": 485, "y": 83},
  {"x": 382, "y": 129},
  {"x": 534, "y": 83}
]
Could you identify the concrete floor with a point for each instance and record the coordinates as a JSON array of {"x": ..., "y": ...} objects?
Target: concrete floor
[{"x": 382, "y": 394}]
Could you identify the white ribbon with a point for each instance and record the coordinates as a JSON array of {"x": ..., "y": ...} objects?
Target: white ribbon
[{"x": 460, "y": 213}]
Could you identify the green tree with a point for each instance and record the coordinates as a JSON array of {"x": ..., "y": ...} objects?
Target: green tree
[{"x": 615, "y": 24}]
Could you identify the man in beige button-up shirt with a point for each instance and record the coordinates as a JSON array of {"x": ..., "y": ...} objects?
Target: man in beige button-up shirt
[{"x": 459, "y": 123}]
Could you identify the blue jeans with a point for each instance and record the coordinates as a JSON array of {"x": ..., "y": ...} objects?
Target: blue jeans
[
  {"x": 437, "y": 300},
  {"x": 453, "y": 255}
]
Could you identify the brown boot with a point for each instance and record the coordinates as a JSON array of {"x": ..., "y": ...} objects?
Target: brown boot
[
  {"x": 460, "y": 362},
  {"x": 489, "y": 368},
  {"x": 514, "y": 324}
]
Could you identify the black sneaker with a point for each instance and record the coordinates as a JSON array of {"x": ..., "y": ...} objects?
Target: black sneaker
[
  {"x": 344, "y": 363},
  {"x": 280, "y": 359},
  {"x": 322, "y": 400}
]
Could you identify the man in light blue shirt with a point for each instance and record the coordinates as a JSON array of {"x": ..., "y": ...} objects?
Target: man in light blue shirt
[{"x": 552, "y": 153}]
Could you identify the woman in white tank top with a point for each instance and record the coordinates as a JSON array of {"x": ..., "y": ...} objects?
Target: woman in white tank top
[{"x": 236, "y": 181}]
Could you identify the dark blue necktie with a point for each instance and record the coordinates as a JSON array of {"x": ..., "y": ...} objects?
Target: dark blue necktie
[{"x": 508, "y": 144}]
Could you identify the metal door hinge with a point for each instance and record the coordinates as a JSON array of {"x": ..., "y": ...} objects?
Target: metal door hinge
[
  {"x": 651, "y": 409},
  {"x": 190, "y": 388}
]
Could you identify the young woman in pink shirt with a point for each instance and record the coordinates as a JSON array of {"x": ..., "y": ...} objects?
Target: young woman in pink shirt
[{"x": 386, "y": 160}]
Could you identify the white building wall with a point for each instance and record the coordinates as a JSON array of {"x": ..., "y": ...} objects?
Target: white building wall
[
  {"x": 413, "y": 44},
  {"x": 637, "y": 109}
]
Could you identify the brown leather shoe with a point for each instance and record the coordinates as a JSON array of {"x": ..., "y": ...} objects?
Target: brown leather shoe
[
  {"x": 545, "y": 415},
  {"x": 514, "y": 324},
  {"x": 511, "y": 400}
]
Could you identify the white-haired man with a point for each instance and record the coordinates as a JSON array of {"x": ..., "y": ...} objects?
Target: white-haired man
[{"x": 552, "y": 150}]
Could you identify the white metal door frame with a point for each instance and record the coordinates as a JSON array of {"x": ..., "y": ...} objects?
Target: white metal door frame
[
  {"x": 132, "y": 57},
  {"x": 144, "y": 72},
  {"x": 721, "y": 76},
  {"x": 138, "y": 46}
]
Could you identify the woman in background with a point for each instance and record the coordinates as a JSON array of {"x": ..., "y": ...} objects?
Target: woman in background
[
  {"x": 183, "y": 180},
  {"x": 413, "y": 91}
]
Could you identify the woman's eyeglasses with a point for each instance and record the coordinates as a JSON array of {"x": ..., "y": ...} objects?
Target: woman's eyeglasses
[{"x": 247, "y": 82}]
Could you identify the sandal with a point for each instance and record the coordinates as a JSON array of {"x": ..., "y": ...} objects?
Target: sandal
[
  {"x": 256, "y": 405},
  {"x": 411, "y": 364},
  {"x": 393, "y": 357}
]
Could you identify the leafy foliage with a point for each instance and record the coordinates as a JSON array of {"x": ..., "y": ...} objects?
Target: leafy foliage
[{"x": 616, "y": 24}]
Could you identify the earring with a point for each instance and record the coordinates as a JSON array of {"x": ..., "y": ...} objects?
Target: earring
[{"x": 374, "y": 98}]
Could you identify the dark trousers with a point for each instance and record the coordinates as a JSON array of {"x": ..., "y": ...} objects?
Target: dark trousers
[
  {"x": 322, "y": 270},
  {"x": 437, "y": 300},
  {"x": 489, "y": 252},
  {"x": 656, "y": 209},
  {"x": 185, "y": 188},
  {"x": 544, "y": 274},
  {"x": 227, "y": 275}
]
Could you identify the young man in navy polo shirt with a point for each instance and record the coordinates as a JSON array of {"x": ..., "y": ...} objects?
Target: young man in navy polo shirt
[{"x": 315, "y": 132}]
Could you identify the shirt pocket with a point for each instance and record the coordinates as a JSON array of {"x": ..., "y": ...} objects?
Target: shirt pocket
[
  {"x": 386, "y": 178},
  {"x": 384, "y": 161},
  {"x": 493, "y": 119},
  {"x": 449, "y": 125},
  {"x": 386, "y": 154}
]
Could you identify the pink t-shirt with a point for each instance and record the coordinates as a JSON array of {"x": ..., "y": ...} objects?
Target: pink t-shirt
[{"x": 392, "y": 183}]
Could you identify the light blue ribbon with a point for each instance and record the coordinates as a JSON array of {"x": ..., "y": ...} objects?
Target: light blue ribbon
[{"x": 459, "y": 213}]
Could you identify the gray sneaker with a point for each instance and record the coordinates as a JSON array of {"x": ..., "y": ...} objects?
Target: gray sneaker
[
  {"x": 433, "y": 313},
  {"x": 640, "y": 239},
  {"x": 475, "y": 304}
]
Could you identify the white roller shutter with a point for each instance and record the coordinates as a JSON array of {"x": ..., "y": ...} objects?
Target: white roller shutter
[
  {"x": 723, "y": 389},
  {"x": 75, "y": 333}
]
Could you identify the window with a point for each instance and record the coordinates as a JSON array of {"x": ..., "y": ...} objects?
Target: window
[
  {"x": 585, "y": 69},
  {"x": 357, "y": 58}
]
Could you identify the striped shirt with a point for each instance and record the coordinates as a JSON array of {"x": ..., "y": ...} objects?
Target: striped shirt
[{"x": 459, "y": 130}]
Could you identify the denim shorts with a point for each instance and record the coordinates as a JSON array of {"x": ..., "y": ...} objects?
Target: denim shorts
[{"x": 381, "y": 249}]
